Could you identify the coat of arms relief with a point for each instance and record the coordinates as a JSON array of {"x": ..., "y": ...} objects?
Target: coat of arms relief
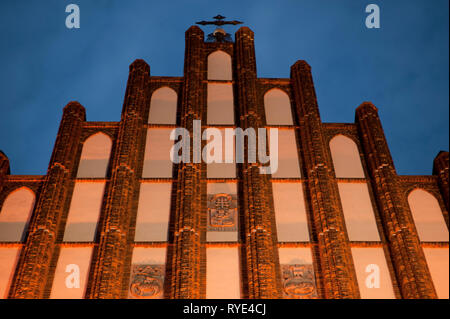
[
  {"x": 222, "y": 212},
  {"x": 147, "y": 282},
  {"x": 299, "y": 281}
]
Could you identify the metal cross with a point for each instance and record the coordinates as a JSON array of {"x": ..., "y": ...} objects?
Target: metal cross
[{"x": 219, "y": 21}]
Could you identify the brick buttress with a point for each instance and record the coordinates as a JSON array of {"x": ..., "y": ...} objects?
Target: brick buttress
[
  {"x": 440, "y": 169},
  {"x": 109, "y": 262},
  {"x": 4, "y": 169},
  {"x": 187, "y": 249},
  {"x": 407, "y": 255},
  {"x": 34, "y": 262},
  {"x": 339, "y": 277},
  {"x": 259, "y": 242}
]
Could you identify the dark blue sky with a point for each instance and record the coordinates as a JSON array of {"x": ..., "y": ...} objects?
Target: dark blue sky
[{"x": 402, "y": 67}]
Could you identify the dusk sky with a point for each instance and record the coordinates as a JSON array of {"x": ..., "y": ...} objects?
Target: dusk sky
[{"x": 401, "y": 67}]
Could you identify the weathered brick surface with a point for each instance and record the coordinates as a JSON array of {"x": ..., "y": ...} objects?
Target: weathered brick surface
[
  {"x": 440, "y": 169},
  {"x": 186, "y": 248},
  {"x": 335, "y": 256},
  {"x": 4, "y": 169},
  {"x": 259, "y": 242},
  {"x": 188, "y": 224},
  {"x": 33, "y": 266},
  {"x": 109, "y": 259},
  {"x": 407, "y": 255}
]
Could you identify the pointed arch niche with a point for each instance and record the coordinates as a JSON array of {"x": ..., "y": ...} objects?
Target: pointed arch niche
[
  {"x": 163, "y": 106},
  {"x": 346, "y": 159},
  {"x": 219, "y": 66},
  {"x": 277, "y": 107},
  {"x": 15, "y": 214},
  {"x": 95, "y": 156},
  {"x": 427, "y": 215}
]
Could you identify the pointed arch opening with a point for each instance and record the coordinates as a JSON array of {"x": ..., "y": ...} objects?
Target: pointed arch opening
[
  {"x": 219, "y": 66},
  {"x": 15, "y": 214},
  {"x": 427, "y": 215},
  {"x": 95, "y": 155},
  {"x": 277, "y": 107},
  {"x": 346, "y": 159},
  {"x": 163, "y": 106}
]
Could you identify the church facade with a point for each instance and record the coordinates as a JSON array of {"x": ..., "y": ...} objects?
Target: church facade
[{"x": 115, "y": 217}]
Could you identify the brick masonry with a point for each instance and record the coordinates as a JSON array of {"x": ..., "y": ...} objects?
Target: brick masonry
[{"x": 186, "y": 246}]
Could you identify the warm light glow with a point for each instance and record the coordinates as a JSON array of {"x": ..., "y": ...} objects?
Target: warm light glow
[
  {"x": 220, "y": 104},
  {"x": 8, "y": 260},
  {"x": 84, "y": 212},
  {"x": 222, "y": 273},
  {"x": 290, "y": 212},
  {"x": 288, "y": 165},
  {"x": 157, "y": 162},
  {"x": 427, "y": 215},
  {"x": 72, "y": 268},
  {"x": 346, "y": 159},
  {"x": 219, "y": 66},
  {"x": 153, "y": 212},
  {"x": 277, "y": 107},
  {"x": 358, "y": 212},
  {"x": 438, "y": 264},
  {"x": 372, "y": 272},
  {"x": 95, "y": 156},
  {"x": 163, "y": 106},
  {"x": 15, "y": 214}
]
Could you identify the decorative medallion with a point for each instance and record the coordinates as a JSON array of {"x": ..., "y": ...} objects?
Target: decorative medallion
[
  {"x": 222, "y": 212},
  {"x": 298, "y": 282},
  {"x": 147, "y": 281}
]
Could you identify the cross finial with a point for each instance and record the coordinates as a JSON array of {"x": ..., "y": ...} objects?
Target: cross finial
[
  {"x": 219, "y": 21},
  {"x": 219, "y": 35}
]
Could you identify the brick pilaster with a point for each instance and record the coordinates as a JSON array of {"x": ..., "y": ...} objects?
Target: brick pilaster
[
  {"x": 187, "y": 249},
  {"x": 109, "y": 259},
  {"x": 4, "y": 169},
  {"x": 440, "y": 169},
  {"x": 259, "y": 242},
  {"x": 407, "y": 255},
  {"x": 33, "y": 268},
  {"x": 335, "y": 255}
]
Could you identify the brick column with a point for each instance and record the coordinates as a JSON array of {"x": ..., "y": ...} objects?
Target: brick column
[
  {"x": 4, "y": 169},
  {"x": 186, "y": 245},
  {"x": 109, "y": 259},
  {"x": 33, "y": 268},
  {"x": 335, "y": 255},
  {"x": 260, "y": 242},
  {"x": 407, "y": 255},
  {"x": 440, "y": 169}
]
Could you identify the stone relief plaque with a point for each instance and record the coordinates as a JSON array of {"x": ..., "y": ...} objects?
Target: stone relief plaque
[
  {"x": 299, "y": 281},
  {"x": 222, "y": 212},
  {"x": 147, "y": 281}
]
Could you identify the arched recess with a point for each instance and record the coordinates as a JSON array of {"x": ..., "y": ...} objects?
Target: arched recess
[
  {"x": 15, "y": 214},
  {"x": 219, "y": 66},
  {"x": 346, "y": 159},
  {"x": 427, "y": 215},
  {"x": 163, "y": 106},
  {"x": 277, "y": 107},
  {"x": 95, "y": 156}
]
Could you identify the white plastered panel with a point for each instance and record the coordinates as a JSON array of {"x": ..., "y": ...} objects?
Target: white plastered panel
[
  {"x": 222, "y": 273},
  {"x": 153, "y": 212},
  {"x": 290, "y": 212},
  {"x": 15, "y": 214}
]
